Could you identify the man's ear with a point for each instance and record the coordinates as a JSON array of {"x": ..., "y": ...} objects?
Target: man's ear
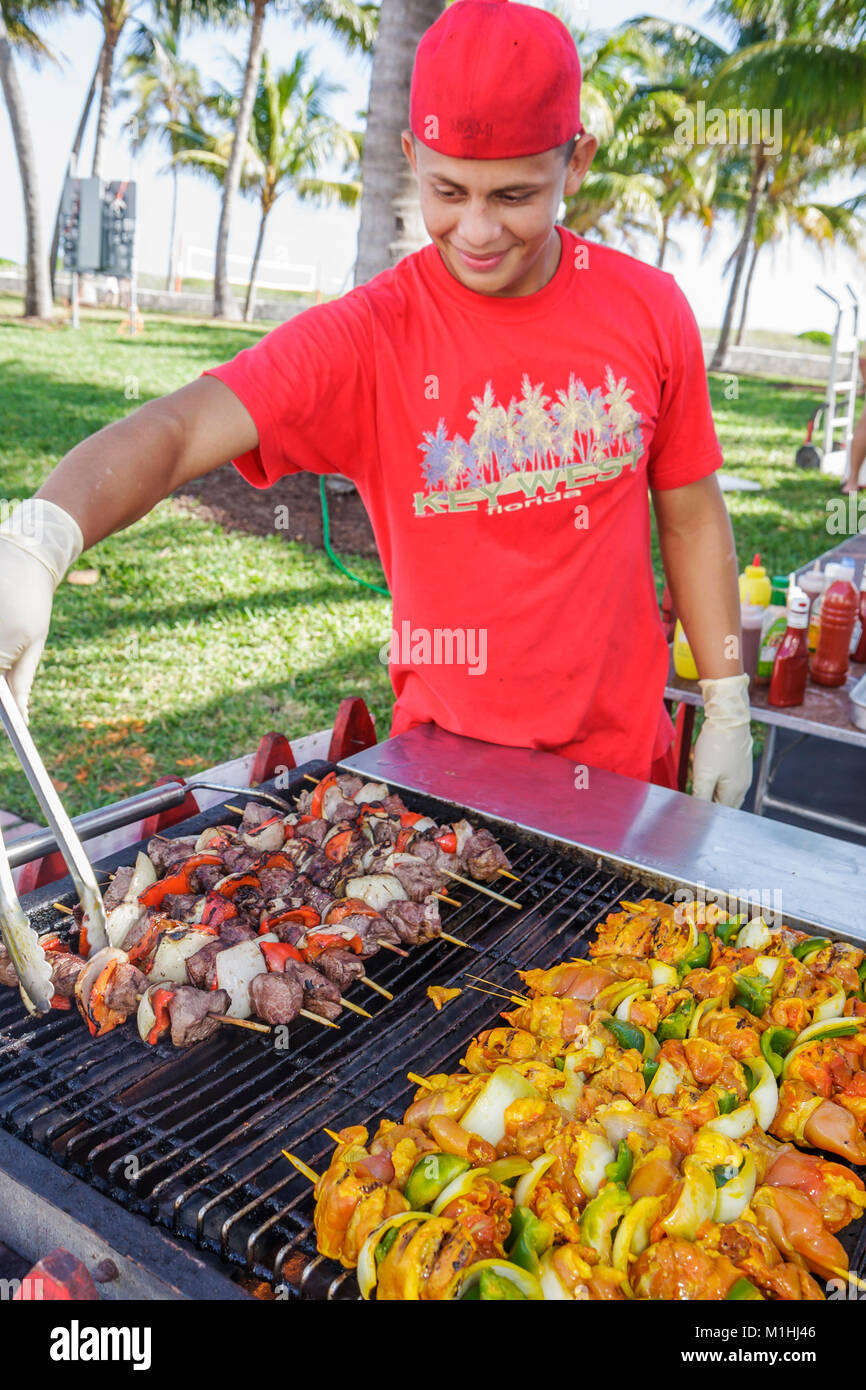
[
  {"x": 578, "y": 166},
  {"x": 407, "y": 140}
]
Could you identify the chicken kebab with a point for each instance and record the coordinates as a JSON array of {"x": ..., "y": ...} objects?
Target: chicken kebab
[
  {"x": 272, "y": 918},
  {"x": 645, "y": 1165}
]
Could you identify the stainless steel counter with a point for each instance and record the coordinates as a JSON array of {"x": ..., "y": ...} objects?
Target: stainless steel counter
[{"x": 806, "y": 876}]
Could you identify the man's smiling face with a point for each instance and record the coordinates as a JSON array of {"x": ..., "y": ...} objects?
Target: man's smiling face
[{"x": 493, "y": 220}]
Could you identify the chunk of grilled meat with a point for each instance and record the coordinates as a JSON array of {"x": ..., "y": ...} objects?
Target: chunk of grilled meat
[
  {"x": 415, "y": 922},
  {"x": 341, "y": 967},
  {"x": 201, "y": 967},
  {"x": 320, "y": 995},
  {"x": 277, "y": 997},
  {"x": 192, "y": 1014}
]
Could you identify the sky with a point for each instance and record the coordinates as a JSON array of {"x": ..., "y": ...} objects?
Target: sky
[{"x": 323, "y": 240}]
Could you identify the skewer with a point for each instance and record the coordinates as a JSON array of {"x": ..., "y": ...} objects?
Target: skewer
[
  {"x": 480, "y": 888},
  {"x": 419, "y": 1080},
  {"x": 308, "y": 777},
  {"x": 332, "y": 1134},
  {"x": 506, "y": 873},
  {"x": 317, "y": 1018},
  {"x": 514, "y": 995},
  {"x": 496, "y": 994},
  {"x": 455, "y": 940},
  {"x": 371, "y": 984},
  {"x": 397, "y": 950},
  {"x": 355, "y": 1008},
  {"x": 847, "y": 1274},
  {"x": 60, "y": 908},
  {"x": 301, "y": 1166},
  {"x": 235, "y": 810},
  {"x": 242, "y": 1023},
  {"x": 443, "y": 899}
]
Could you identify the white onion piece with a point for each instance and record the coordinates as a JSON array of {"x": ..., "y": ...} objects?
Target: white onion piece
[
  {"x": 236, "y": 969},
  {"x": 174, "y": 948},
  {"x": 376, "y": 890}
]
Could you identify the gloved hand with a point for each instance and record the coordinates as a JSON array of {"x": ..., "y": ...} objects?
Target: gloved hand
[
  {"x": 723, "y": 751},
  {"x": 38, "y": 543}
]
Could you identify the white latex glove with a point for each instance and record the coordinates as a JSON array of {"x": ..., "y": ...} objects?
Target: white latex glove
[
  {"x": 38, "y": 543},
  {"x": 723, "y": 752}
]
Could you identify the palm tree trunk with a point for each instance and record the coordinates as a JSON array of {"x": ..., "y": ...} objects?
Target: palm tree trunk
[
  {"x": 106, "y": 77},
  {"x": 37, "y": 292},
  {"x": 73, "y": 160},
  {"x": 742, "y": 251},
  {"x": 390, "y": 220},
  {"x": 172, "y": 234},
  {"x": 663, "y": 244},
  {"x": 746, "y": 292},
  {"x": 223, "y": 304},
  {"x": 249, "y": 306}
]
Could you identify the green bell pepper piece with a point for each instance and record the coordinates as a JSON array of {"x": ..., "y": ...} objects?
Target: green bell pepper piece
[
  {"x": 493, "y": 1288},
  {"x": 676, "y": 1025},
  {"x": 626, "y": 1034},
  {"x": 752, "y": 991},
  {"x": 529, "y": 1238},
  {"x": 649, "y": 1070},
  {"x": 775, "y": 1043},
  {"x": 430, "y": 1176},
  {"x": 809, "y": 946},
  {"x": 385, "y": 1244},
  {"x": 620, "y": 1169},
  {"x": 743, "y": 1289},
  {"x": 601, "y": 1216},
  {"x": 861, "y": 976},
  {"x": 559, "y": 1063},
  {"x": 699, "y": 956},
  {"x": 727, "y": 1102},
  {"x": 725, "y": 930}
]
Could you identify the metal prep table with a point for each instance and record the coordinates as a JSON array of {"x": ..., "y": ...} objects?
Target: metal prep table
[{"x": 825, "y": 713}]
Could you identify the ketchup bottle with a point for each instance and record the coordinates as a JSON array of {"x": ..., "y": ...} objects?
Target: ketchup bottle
[
  {"x": 791, "y": 667},
  {"x": 858, "y": 640},
  {"x": 838, "y": 615}
]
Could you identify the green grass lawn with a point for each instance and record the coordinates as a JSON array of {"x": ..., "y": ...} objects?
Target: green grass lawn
[{"x": 193, "y": 642}]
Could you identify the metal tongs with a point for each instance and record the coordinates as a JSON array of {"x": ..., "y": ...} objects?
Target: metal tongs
[{"x": 19, "y": 938}]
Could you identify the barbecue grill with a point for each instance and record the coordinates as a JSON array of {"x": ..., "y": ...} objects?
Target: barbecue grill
[{"x": 168, "y": 1163}]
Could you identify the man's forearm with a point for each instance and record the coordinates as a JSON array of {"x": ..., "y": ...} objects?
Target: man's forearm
[
  {"x": 700, "y": 562},
  {"x": 116, "y": 476}
]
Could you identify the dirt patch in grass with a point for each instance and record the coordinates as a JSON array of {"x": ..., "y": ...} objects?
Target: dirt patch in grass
[{"x": 225, "y": 498}]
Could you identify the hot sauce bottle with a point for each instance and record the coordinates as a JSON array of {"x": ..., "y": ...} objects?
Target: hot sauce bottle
[
  {"x": 838, "y": 615},
  {"x": 791, "y": 667}
]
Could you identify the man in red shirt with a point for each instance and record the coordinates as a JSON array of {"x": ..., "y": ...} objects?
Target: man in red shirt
[{"x": 504, "y": 400}]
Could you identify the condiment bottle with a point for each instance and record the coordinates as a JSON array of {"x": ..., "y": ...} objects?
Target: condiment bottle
[
  {"x": 751, "y": 620},
  {"x": 791, "y": 669},
  {"x": 755, "y": 586},
  {"x": 858, "y": 636},
  {"x": 838, "y": 615},
  {"x": 684, "y": 662},
  {"x": 831, "y": 573},
  {"x": 773, "y": 625}
]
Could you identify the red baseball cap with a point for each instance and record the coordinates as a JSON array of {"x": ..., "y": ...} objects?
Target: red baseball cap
[{"x": 494, "y": 79}]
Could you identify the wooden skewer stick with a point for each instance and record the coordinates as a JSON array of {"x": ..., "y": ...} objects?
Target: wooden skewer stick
[
  {"x": 454, "y": 940},
  {"x": 332, "y": 1134},
  {"x": 308, "y": 777},
  {"x": 389, "y": 946},
  {"x": 419, "y": 1081},
  {"x": 301, "y": 1166},
  {"x": 354, "y": 1008},
  {"x": 241, "y": 1023},
  {"x": 317, "y": 1018},
  {"x": 61, "y": 908},
  {"x": 847, "y": 1274},
  {"x": 497, "y": 994},
  {"x": 506, "y": 873},
  {"x": 443, "y": 899},
  {"x": 480, "y": 888},
  {"x": 236, "y": 810},
  {"x": 513, "y": 993},
  {"x": 371, "y": 984}
]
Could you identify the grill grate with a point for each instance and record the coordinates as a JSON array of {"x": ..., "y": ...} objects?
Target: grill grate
[{"x": 191, "y": 1140}]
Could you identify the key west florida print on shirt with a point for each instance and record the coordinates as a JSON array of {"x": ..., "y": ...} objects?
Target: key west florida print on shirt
[
  {"x": 537, "y": 443},
  {"x": 504, "y": 449}
]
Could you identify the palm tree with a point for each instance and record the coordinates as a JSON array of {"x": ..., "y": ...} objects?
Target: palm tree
[
  {"x": 355, "y": 24},
  {"x": 16, "y": 30},
  {"x": 390, "y": 199},
  {"x": 163, "y": 87},
  {"x": 291, "y": 136},
  {"x": 804, "y": 58}
]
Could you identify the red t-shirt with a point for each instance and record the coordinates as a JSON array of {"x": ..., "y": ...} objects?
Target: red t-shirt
[{"x": 503, "y": 448}]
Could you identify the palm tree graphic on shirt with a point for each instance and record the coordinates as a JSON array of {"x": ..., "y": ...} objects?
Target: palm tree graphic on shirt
[{"x": 533, "y": 432}]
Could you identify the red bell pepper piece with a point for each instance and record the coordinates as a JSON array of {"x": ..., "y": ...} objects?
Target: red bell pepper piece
[
  {"x": 447, "y": 842},
  {"x": 319, "y": 794},
  {"x": 216, "y": 910},
  {"x": 147, "y": 943},
  {"x": 234, "y": 882},
  {"x": 159, "y": 1002},
  {"x": 306, "y": 916},
  {"x": 177, "y": 882},
  {"x": 319, "y": 942},
  {"x": 349, "y": 907},
  {"x": 276, "y": 953},
  {"x": 338, "y": 846},
  {"x": 410, "y": 817},
  {"x": 99, "y": 1018},
  {"x": 404, "y": 839},
  {"x": 59, "y": 1001},
  {"x": 83, "y": 943},
  {"x": 279, "y": 860}
]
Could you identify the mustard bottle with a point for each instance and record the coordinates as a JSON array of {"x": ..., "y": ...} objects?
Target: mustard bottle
[
  {"x": 755, "y": 586},
  {"x": 684, "y": 662}
]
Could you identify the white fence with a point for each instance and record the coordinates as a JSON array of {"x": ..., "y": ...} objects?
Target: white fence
[{"x": 198, "y": 264}]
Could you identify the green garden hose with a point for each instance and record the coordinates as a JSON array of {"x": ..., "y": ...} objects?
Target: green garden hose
[{"x": 326, "y": 535}]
